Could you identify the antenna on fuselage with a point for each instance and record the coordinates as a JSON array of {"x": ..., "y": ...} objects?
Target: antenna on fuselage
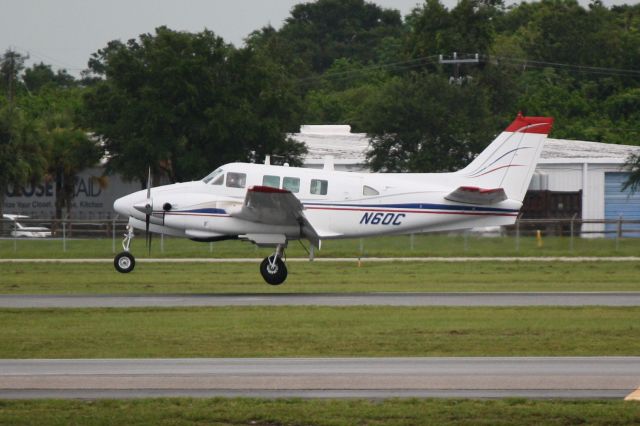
[
  {"x": 328, "y": 163},
  {"x": 267, "y": 160}
]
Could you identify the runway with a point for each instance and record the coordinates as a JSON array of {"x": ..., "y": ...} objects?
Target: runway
[
  {"x": 532, "y": 377},
  {"x": 323, "y": 299}
]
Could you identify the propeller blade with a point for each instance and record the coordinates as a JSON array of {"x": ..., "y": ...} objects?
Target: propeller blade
[
  {"x": 149, "y": 184},
  {"x": 148, "y": 211},
  {"x": 150, "y": 236},
  {"x": 146, "y": 230}
]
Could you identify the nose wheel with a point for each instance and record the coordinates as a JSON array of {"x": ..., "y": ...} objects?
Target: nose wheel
[
  {"x": 124, "y": 261},
  {"x": 273, "y": 268}
]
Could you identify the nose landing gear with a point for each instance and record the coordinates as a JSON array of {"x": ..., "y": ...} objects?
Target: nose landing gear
[
  {"x": 124, "y": 261},
  {"x": 273, "y": 268}
]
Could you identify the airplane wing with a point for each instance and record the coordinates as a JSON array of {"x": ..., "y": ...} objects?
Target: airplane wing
[
  {"x": 273, "y": 206},
  {"x": 475, "y": 195}
]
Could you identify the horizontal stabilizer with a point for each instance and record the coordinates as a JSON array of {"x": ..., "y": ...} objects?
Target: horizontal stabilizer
[{"x": 475, "y": 195}]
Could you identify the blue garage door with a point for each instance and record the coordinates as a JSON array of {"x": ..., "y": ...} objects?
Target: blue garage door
[{"x": 619, "y": 203}]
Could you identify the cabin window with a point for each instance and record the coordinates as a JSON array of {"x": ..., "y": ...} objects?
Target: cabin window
[
  {"x": 319, "y": 187},
  {"x": 236, "y": 180},
  {"x": 271, "y": 181},
  {"x": 367, "y": 190},
  {"x": 291, "y": 184}
]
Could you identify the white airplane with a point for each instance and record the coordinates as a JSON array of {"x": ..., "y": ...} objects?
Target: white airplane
[{"x": 272, "y": 205}]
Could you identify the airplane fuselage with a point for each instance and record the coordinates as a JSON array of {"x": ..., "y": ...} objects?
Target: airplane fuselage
[
  {"x": 270, "y": 205},
  {"x": 337, "y": 204}
]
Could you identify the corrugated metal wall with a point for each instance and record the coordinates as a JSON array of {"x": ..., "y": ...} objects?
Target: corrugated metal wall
[{"x": 619, "y": 203}]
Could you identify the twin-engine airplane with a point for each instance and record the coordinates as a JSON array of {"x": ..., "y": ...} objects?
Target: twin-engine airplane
[{"x": 272, "y": 205}]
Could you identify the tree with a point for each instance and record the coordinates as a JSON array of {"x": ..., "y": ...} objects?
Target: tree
[
  {"x": 21, "y": 151},
  {"x": 11, "y": 64},
  {"x": 633, "y": 166},
  {"x": 39, "y": 75},
  {"x": 467, "y": 28},
  {"x": 186, "y": 103},
  {"x": 69, "y": 151},
  {"x": 421, "y": 123},
  {"x": 325, "y": 30},
  {"x": 342, "y": 92}
]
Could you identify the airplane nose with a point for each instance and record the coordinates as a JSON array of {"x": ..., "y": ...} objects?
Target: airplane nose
[{"x": 121, "y": 206}]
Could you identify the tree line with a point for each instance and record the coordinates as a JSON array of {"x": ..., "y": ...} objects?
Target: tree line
[{"x": 185, "y": 103}]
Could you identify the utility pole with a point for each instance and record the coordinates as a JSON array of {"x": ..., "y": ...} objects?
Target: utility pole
[
  {"x": 12, "y": 65},
  {"x": 455, "y": 61}
]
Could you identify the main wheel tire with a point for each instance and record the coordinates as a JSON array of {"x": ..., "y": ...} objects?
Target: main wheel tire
[
  {"x": 273, "y": 274},
  {"x": 124, "y": 262}
]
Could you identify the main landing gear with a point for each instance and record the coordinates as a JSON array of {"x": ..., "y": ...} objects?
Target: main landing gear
[
  {"x": 273, "y": 269},
  {"x": 124, "y": 261}
]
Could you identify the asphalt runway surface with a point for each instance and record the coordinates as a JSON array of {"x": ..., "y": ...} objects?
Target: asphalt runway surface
[
  {"x": 323, "y": 299},
  {"x": 531, "y": 377}
]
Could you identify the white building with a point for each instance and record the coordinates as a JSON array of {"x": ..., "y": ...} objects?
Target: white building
[
  {"x": 348, "y": 150},
  {"x": 592, "y": 168}
]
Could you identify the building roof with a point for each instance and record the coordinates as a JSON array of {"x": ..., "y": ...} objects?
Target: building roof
[
  {"x": 351, "y": 148},
  {"x": 336, "y": 141},
  {"x": 570, "y": 151}
]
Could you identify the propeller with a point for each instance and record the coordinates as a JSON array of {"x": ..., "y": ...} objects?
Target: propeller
[
  {"x": 146, "y": 207},
  {"x": 148, "y": 210}
]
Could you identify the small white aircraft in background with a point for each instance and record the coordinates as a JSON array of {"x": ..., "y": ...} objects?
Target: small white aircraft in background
[
  {"x": 272, "y": 205},
  {"x": 20, "y": 230}
]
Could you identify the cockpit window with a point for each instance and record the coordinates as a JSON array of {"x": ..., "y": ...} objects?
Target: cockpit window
[
  {"x": 213, "y": 175},
  {"x": 367, "y": 190},
  {"x": 218, "y": 180},
  {"x": 236, "y": 180}
]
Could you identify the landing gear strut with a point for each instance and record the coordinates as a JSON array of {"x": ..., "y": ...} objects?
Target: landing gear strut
[
  {"x": 124, "y": 261},
  {"x": 273, "y": 269}
]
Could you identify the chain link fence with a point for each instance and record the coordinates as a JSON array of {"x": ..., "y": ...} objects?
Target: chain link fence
[{"x": 47, "y": 236}]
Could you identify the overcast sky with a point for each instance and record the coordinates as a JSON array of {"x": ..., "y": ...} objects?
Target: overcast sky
[{"x": 64, "y": 33}]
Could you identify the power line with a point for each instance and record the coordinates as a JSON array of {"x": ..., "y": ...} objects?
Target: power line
[
  {"x": 50, "y": 59},
  {"x": 560, "y": 65},
  {"x": 398, "y": 65},
  {"x": 495, "y": 60}
]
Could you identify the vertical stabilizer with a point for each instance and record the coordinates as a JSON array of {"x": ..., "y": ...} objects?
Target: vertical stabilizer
[{"x": 510, "y": 160}]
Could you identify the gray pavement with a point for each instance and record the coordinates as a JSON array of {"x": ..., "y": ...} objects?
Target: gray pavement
[
  {"x": 324, "y": 299},
  {"x": 478, "y": 377}
]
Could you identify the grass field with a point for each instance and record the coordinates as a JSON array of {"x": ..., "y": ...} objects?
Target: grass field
[
  {"x": 423, "y": 245},
  {"x": 101, "y": 278},
  {"x": 183, "y": 411},
  {"x": 318, "y": 331}
]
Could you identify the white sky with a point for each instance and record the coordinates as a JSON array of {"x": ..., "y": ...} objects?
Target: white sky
[{"x": 64, "y": 33}]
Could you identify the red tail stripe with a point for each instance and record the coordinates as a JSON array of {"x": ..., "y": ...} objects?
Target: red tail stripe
[{"x": 521, "y": 124}]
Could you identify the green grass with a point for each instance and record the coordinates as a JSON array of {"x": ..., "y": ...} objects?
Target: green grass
[
  {"x": 318, "y": 331},
  {"x": 101, "y": 278},
  {"x": 245, "y": 411},
  {"x": 423, "y": 245}
]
